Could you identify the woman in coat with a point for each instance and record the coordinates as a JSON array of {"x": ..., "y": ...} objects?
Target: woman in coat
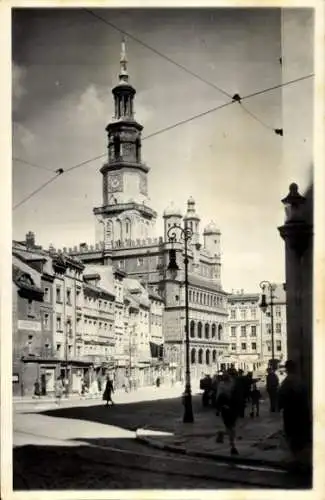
[{"x": 107, "y": 396}]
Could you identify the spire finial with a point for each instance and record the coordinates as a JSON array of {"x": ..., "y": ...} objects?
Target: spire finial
[{"x": 123, "y": 63}]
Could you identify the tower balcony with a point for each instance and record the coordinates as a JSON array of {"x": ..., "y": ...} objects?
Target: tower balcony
[
  {"x": 120, "y": 163},
  {"x": 117, "y": 208}
]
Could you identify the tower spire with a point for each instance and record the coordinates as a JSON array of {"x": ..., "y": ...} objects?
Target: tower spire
[{"x": 124, "y": 76}]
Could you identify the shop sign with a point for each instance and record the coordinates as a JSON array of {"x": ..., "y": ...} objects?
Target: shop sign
[{"x": 29, "y": 325}]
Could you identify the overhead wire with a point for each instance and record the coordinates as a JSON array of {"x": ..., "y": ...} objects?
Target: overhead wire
[
  {"x": 31, "y": 164},
  {"x": 170, "y": 127},
  {"x": 36, "y": 191},
  {"x": 169, "y": 59},
  {"x": 157, "y": 52}
]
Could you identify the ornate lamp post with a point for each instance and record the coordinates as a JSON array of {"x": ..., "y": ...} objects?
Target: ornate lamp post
[
  {"x": 185, "y": 234},
  {"x": 266, "y": 285}
]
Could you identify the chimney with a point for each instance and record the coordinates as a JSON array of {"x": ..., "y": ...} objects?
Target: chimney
[{"x": 30, "y": 240}]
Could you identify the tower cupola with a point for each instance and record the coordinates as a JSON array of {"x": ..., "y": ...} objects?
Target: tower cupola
[
  {"x": 192, "y": 220},
  {"x": 172, "y": 215}
]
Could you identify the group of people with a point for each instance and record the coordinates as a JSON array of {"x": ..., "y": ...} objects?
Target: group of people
[{"x": 232, "y": 392}]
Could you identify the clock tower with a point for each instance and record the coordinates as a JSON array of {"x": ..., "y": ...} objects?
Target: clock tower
[{"x": 125, "y": 211}]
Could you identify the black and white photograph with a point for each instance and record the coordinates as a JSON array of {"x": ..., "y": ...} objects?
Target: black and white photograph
[{"x": 162, "y": 248}]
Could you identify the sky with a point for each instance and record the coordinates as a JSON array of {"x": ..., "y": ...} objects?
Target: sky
[{"x": 65, "y": 63}]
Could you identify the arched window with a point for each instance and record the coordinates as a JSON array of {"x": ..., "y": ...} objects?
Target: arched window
[
  {"x": 193, "y": 356},
  {"x": 127, "y": 229},
  {"x": 220, "y": 331},
  {"x": 207, "y": 357},
  {"x": 213, "y": 331},
  {"x": 200, "y": 356},
  {"x": 207, "y": 330},
  {"x": 117, "y": 146},
  {"x": 118, "y": 229},
  {"x": 214, "y": 356},
  {"x": 199, "y": 330},
  {"x": 192, "y": 329}
]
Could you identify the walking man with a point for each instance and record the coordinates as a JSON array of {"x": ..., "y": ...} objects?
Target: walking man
[
  {"x": 227, "y": 404},
  {"x": 272, "y": 385}
]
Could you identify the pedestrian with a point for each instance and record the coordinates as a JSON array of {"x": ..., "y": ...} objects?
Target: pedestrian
[
  {"x": 272, "y": 385},
  {"x": 99, "y": 384},
  {"x": 107, "y": 396},
  {"x": 297, "y": 419},
  {"x": 158, "y": 382},
  {"x": 228, "y": 407},
  {"x": 37, "y": 389},
  {"x": 58, "y": 390},
  {"x": 255, "y": 397}
]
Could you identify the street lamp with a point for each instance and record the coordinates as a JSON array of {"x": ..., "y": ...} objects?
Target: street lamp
[
  {"x": 185, "y": 234},
  {"x": 266, "y": 285}
]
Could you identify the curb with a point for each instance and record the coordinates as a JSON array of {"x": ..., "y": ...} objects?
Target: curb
[{"x": 181, "y": 450}]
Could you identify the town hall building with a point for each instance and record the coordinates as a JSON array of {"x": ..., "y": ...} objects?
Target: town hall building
[{"x": 125, "y": 227}]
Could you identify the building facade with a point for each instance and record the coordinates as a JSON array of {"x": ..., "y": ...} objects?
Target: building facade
[{"x": 250, "y": 330}]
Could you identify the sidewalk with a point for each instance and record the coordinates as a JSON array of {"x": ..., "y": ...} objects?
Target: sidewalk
[
  {"x": 259, "y": 440},
  {"x": 148, "y": 393}
]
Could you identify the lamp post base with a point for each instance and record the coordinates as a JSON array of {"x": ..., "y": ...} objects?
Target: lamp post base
[{"x": 188, "y": 410}]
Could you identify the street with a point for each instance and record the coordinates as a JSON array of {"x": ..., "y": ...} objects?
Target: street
[{"x": 89, "y": 446}]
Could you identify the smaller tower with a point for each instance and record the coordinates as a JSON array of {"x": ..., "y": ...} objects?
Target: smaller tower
[
  {"x": 212, "y": 236},
  {"x": 172, "y": 215},
  {"x": 192, "y": 220}
]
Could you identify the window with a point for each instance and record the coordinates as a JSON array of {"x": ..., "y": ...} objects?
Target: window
[
  {"x": 140, "y": 261},
  {"x": 253, "y": 313},
  {"x": 268, "y": 328},
  {"x": 233, "y": 347},
  {"x": 121, "y": 264},
  {"x": 253, "y": 346},
  {"x": 46, "y": 322},
  {"x": 243, "y": 314},
  {"x": 268, "y": 344},
  {"x": 58, "y": 294},
  {"x": 278, "y": 346},
  {"x": 30, "y": 308},
  {"x": 177, "y": 298},
  {"x": 243, "y": 346},
  {"x": 233, "y": 331},
  {"x": 69, "y": 296},
  {"x": 253, "y": 331},
  {"x": 278, "y": 311},
  {"x": 233, "y": 314},
  {"x": 58, "y": 322},
  {"x": 46, "y": 294},
  {"x": 278, "y": 328},
  {"x": 58, "y": 348},
  {"x": 243, "y": 331}
]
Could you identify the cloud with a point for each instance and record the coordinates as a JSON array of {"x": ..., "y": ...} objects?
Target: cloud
[
  {"x": 18, "y": 87},
  {"x": 23, "y": 141}
]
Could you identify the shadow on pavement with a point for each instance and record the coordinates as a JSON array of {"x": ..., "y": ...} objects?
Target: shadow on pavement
[
  {"x": 159, "y": 415},
  {"x": 84, "y": 467}
]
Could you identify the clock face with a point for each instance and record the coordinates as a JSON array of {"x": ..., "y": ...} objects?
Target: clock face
[{"x": 115, "y": 183}]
